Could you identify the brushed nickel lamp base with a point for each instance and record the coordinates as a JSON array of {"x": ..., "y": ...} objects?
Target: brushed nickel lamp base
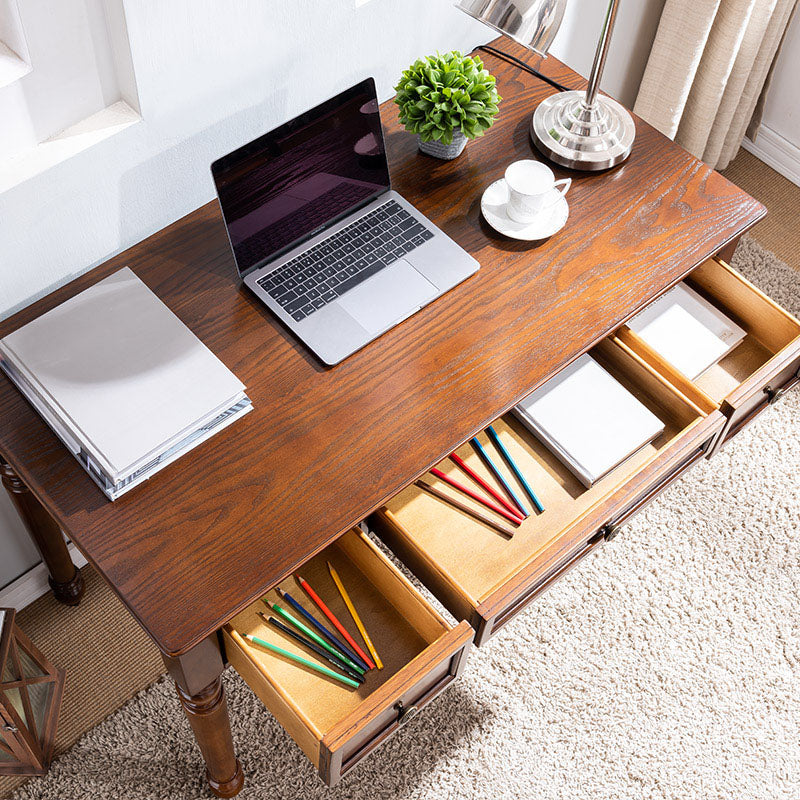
[{"x": 571, "y": 133}]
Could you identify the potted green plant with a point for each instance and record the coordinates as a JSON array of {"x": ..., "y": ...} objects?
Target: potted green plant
[{"x": 447, "y": 99}]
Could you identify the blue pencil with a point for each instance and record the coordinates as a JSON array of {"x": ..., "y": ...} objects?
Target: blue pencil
[
  {"x": 514, "y": 468},
  {"x": 499, "y": 475},
  {"x": 322, "y": 630}
]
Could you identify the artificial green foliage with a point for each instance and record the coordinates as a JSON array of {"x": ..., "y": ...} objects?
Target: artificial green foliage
[{"x": 443, "y": 93}]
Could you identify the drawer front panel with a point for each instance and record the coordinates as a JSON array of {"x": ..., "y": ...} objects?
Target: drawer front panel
[
  {"x": 341, "y": 751},
  {"x": 668, "y": 478},
  {"x": 769, "y": 391},
  {"x": 489, "y": 627}
]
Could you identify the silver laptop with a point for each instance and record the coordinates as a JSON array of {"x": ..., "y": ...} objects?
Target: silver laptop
[{"x": 320, "y": 237}]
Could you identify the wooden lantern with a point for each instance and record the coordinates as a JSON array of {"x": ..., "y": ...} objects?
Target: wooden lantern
[{"x": 30, "y": 697}]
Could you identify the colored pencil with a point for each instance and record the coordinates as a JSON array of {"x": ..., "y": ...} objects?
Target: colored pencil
[
  {"x": 465, "y": 468},
  {"x": 300, "y": 660},
  {"x": 464, "y": 507},
  {"x": 499, "y": 475},
  {"x": 321, "y": 629},
  {"x": 354, "y": 614},
  {"x": 513, "y": 518},
  {"x": 295, "y": 623},
  {"x": 514, "y": 468},
  {"x": 300, "y": 639},
  {"x": 317, "y": 600}
]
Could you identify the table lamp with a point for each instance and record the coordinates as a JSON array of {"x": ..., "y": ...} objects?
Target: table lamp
[{"x": 577, "y": 129}]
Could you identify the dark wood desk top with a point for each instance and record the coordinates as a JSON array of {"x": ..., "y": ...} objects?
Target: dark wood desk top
[{"x": 324, "y": 447}]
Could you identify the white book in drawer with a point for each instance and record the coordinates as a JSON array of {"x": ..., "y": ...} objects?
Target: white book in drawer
[
  {"x": 588, "y": 419},
  {"x": 687, "y": 330},
  {"x": 124, "y": 379}
]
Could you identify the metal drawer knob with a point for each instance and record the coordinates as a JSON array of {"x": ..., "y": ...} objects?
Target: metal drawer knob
[
  {"x": 773, "y": 395},
  {"x": 610, "y": 532},
  {"x": 404, "y": 714}
]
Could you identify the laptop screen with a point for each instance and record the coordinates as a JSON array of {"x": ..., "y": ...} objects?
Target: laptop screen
[{"x": 293, "y": 182}]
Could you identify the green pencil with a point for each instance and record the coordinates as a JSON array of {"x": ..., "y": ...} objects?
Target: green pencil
[
  {"x": 300, "y": 660},
  {"x": 315, "y": 637}
]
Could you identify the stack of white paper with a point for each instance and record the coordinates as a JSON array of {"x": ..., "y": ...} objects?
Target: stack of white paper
[
  {"x": 687, "y": 330},
  {"x": 122, "y": 381},
  {"x": 589, "y": 420}
]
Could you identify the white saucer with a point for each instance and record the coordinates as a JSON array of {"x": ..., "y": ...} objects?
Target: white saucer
[{"x": 549, "y": 221}]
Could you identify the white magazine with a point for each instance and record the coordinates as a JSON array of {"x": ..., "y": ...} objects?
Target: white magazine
[
  {"x": 687, "y": 330},
  {"x": 125, "y": 379},
  {"x": 588, "y": 419}
]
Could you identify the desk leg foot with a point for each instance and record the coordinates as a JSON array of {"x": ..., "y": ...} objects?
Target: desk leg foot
[
  {"x": 65, "y": 579},
  {"x": 208, "y": 715},
  {"x": 197, "y": 675}
]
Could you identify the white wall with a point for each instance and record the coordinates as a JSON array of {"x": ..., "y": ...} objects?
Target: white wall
[
  {"x": 634, "y": 31},
  {"x": 778, "y": 140},
  {"x": 212, "y": 75},
  {"x": 70, "y": 45}
]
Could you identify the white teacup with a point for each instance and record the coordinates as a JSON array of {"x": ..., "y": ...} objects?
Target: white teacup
[{"x": 530, "y": 189}]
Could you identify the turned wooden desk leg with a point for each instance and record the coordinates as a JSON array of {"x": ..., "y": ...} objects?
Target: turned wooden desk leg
[
  {"x": 65, "y": 579},
  {"x": 198, "y": 680}
]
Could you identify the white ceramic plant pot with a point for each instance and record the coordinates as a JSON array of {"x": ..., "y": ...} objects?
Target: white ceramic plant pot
[{"x": 445, "y": 151}]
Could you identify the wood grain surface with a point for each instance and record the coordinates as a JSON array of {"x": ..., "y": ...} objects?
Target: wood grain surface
[{"x": 324, "y": 447}]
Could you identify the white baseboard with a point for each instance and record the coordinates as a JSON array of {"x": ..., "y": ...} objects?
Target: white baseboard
[
  {"x": 33, "y": 584},
  {"x": 776, "y": 152}
]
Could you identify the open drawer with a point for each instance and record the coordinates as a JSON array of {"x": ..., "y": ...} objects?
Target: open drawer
[
  {"x": 334, "y": 725},
  {"x": 755, "y": 373},
  {"x": 485, "y": 578}
]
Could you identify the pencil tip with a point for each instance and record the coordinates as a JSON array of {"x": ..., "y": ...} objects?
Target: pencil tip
[{"x": 279, "y": 591}]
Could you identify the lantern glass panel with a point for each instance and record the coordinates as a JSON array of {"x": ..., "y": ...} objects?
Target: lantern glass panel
[
  {"x": 39, "y": 694},
  {"x": 5, "y": 752},
  {"x": 15, "y": 701},
  {"x": 10, "y": 671},
  {"x": 30, "y": 669}
]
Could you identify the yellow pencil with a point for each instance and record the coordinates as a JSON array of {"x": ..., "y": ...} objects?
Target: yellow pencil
[{"x": 354, "y": 614}]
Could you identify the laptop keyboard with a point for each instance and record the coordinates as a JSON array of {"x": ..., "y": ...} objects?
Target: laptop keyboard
[{"x": 334, "y": 266}]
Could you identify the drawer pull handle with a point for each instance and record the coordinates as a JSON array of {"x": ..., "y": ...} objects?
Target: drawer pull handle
[
  {"x": 10, "y": 728},
  {"x": 610, "y": 532},
  {"x": 404, "y": 714},
  {"x": 773, "y": 395}
]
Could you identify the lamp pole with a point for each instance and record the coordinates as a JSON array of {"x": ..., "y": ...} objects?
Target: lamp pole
[{"x": 601, "y": 53}]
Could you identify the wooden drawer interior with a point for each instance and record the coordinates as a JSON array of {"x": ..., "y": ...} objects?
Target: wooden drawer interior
[
  {"x": 470, "y": 567},
  {"x": 772, "y": 335},
  {"x": 332, "y": 723}
]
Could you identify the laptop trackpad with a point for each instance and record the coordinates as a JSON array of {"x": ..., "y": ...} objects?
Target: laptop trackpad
[{"x": 392, "y": 294}]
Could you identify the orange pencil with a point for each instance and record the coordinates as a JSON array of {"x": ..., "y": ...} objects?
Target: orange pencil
[{"x": 317, "y": 600}]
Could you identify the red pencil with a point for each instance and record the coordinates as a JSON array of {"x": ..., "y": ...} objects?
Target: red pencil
[
  {"x": 475, "y": 496},
  {"x": 317, "y": 600},
  {"x": 459, "y": 462}
]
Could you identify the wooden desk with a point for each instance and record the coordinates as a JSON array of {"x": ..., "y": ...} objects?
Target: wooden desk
[{"x": 325, "y": 447}]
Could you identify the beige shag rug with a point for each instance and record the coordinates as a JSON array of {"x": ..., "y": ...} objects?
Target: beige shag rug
[{"x": 665, "y": 666}]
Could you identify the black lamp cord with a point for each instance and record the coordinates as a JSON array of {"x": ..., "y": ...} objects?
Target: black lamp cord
[{"x": 522, "y": 65}]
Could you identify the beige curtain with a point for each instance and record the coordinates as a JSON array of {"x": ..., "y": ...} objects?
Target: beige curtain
[{"x": 706, "y": 71}]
